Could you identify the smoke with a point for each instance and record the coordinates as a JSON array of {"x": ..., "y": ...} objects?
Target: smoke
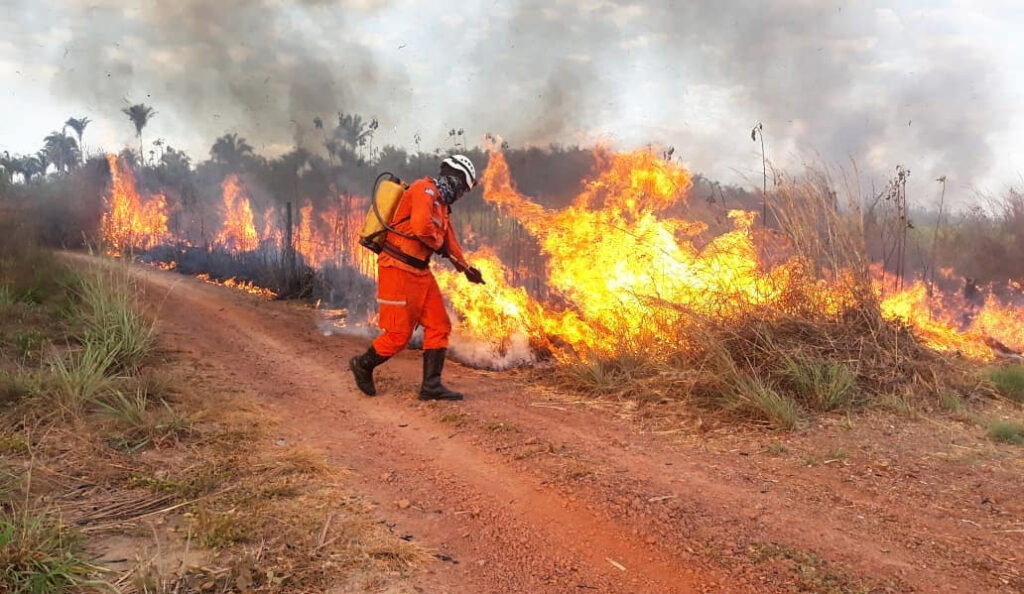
[
  {"x": 263, "y": 68},
  {"x": 836, "y": 78},
  {"x": 484, "y": 355},
  {"x": 881, "y": 82}
]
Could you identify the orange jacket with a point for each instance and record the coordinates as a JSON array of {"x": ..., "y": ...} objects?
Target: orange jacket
[{"x": 422, "y": 214}]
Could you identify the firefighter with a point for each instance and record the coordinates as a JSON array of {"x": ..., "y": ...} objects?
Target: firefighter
[{"x": 407, "y": 294}]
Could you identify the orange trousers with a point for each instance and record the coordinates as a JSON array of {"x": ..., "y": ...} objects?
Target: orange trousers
[{"x": 405, "y": 301}]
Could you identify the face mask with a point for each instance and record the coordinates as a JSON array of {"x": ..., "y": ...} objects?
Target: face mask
[{"x": 450, "y": 189}]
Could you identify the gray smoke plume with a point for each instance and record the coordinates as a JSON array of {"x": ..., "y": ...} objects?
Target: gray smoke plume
[
  {"x": 837, "y": 78},
  {"x": 261, "y": 67}
]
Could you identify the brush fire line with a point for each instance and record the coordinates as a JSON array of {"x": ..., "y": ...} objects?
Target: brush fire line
[{"x": 640, "y": 268}]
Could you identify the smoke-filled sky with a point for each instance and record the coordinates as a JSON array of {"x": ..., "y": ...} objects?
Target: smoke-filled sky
[{"x": 930, "y": 85}]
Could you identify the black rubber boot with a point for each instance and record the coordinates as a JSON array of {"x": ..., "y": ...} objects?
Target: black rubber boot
[
  {"x": 432, "y": 388},
  {"x": 362, "y": 368}
]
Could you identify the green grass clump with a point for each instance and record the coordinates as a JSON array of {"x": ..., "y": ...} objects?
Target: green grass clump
[
  {"x": 15, "y": 387},
  {"x": 1007, "y": 432},
  {"x": 751, "y": 396},
  {"x": 1009, "y": 380},
  {"x": 79, "y": 376},
  {"x": 613, "y": 374},
  {"x": 819, "y": 384},
  {"x": 898, "y": 403},
  {"x": 112, "y": 322},
  {"x": 38, "y": 554}
]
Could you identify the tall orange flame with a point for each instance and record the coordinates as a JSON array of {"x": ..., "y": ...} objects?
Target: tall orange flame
[
  {"x": 128, "y": 221},
  {"x": 238, "y": 232}
]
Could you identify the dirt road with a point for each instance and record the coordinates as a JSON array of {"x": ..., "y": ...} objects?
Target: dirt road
[{"x": 521, "y": 490}]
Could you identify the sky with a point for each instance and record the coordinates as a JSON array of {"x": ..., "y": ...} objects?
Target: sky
[{"x": 932, "y": 86}]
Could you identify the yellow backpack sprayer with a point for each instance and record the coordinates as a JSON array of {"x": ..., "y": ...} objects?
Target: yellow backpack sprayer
[{"x": 387, "y": 192}]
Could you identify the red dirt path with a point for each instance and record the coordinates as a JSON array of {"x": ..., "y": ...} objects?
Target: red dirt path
[{"x": 525, "y": 490}]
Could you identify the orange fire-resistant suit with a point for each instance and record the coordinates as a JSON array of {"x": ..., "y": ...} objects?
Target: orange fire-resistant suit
[{"x": 408, "y": 295}]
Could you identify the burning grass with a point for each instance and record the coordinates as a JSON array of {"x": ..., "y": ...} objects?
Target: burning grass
[
  {"x": 640, "y": 299},
  {"x": 772, "y": 329}
]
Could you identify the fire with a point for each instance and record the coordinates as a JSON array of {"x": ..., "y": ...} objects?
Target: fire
[
  {"x": 271, "y": 231},
  {"x": 129, "y": 222},
  {"x": 245, "y": 286},
  {"x": 913, "y": 306},
  {"x": 331, "y": 237},
  {"x": 621, "y": 267},
  {"x": 1001, "y": 322},
  {"x": 238, "y": 232},
  {"x": 619, "y": 262}
]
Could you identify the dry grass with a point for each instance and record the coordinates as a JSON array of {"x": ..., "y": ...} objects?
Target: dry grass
[{"x": 799, "y": 356}]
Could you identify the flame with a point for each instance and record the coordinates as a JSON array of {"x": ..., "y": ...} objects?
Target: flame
[
  {"x": 620, "y": 262},
  {"x": 620, "y": 265},
  {"x": 271, "y": 233},
  {"x": 1001, "y": 322},
  {"x": 237, "y": 233},
  {"x": 912, "y": 306},
  {"x": 617, "y": 260},
  {"x": 129, "y": 222},
  {"x": 331, "y": 237},
  {"x": 242, "y": 285}
]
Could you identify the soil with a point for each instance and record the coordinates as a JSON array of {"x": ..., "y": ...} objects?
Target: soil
[{"x": 521, "y": 488}]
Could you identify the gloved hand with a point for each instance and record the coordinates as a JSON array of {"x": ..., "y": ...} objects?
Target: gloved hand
[{"x": 474, "y": 275}]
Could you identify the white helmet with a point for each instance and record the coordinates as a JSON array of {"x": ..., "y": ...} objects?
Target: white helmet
[{"x": 463, "y": 164}]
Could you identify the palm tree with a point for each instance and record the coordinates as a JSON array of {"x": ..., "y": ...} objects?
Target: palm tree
[
  {"x": 62, "y": 151},
  {"x": 351, "y": 133},
  {"x": 31, "y": 165},
  {"x": 139, "y": 114},
  {"x": 40, "y": 162},
  {"x": 231, "y": 150},
  {"x": 78, "y": 125}
]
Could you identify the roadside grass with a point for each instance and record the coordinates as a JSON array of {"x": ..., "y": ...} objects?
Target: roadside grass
[
  {"x": 38, "y": 553},
  {"x": 1009, "y": 381},
  {"x": 819, "y": 384},
  {"x": 85, "y": 393},
  {"x": 138, "y": 421},
  {"x": 112, "y": 322},
  {"x": 76, "y": 377}
]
